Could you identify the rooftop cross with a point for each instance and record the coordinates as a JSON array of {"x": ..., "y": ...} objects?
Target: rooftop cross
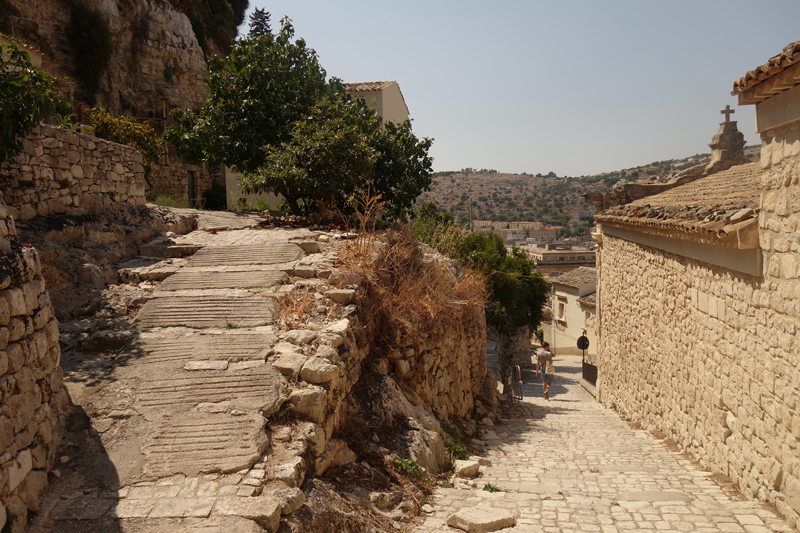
[{"x": 727, "y": 112}]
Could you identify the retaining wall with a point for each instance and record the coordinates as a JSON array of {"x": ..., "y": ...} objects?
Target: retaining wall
[
  {"x": 32, "y": 399},
  {"x": 61, "y": 171}
]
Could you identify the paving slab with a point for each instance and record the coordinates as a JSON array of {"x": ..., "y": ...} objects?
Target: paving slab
[
  {"x": 246, "y": 255},
  {"x": 568, "y": 464},
  {"x": 207, "y": 312},
  {"x": 191, "y": 279}
]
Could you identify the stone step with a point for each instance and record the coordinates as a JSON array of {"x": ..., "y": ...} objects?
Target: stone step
[
  {"x": 246, "y": 255},
  {"x": 204, "y": 442},
  {"x": 188, "y": 280},
  {"x": 207, "y": 312},
  {"x": 230, "y": 346}
]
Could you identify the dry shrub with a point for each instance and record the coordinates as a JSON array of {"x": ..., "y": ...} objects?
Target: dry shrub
[
  {"x": 295, "y": 306},
  {"x": 408, "y": 293}
]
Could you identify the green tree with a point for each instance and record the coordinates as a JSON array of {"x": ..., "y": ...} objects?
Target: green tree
[
  {"x": 260, "y": 23},
  {"x": 271, "y": 116},
  {"x": 255, "y": 95},
  {"x": 26, "y": 95},
  {"x": 328, "y": 152}
]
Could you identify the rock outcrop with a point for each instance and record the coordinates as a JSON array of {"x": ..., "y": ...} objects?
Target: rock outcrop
[{"x": 156, "y": 57}]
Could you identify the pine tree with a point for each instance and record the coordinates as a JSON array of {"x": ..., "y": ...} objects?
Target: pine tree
[{"x": 259, "y": 23}]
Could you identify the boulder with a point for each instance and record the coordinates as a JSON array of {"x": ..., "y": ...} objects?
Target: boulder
[
  {"x": 481, "y": 520},
  {"x": 300, "y": 336},
  {"x": 290, "y": 364},
  {"x": 466, "y": 469},
  {"x": 319, "y": 370}
]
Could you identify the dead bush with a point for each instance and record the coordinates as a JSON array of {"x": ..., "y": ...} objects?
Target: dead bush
[{"x": 407, "y": 292}]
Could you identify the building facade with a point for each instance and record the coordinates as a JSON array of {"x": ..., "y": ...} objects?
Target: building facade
[{"x": 698, "y": 302}]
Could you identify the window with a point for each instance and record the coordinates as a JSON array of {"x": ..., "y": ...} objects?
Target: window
[{"x": 562, "y": 309}]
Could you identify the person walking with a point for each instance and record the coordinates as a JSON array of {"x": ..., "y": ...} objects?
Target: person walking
[{"x": 544, "y": 365}]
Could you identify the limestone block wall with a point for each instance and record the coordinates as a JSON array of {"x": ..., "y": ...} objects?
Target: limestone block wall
[
  {"x": 173, "y": 180},
  {"x": 709, "y": 357},
  {"x": 60, "y": 171},
  {"x": 446, "y": 368},
  {"x": 32, "y": 399}
]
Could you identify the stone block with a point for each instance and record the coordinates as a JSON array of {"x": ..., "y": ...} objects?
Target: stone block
[
  {"x": 300, "y": 336},
  {"x": 19, "y": 469},
  {"x": 15, "y": 299},
  {"x": 466, "y": 469},
  {"x": 30, "y": 491},
  {"x": 264, "y": 510},
  {"x": 290, "y": 364},
  {"x": 310, "y": 402},
  {"x": 30, "y": 292},
  {"x": 481, "y": 520},
  {"x": 290, "y": 500},
  {"x": 16, "y": 329},
  {"x": 319, "y": 370},
  {"x": 341, "y": 296}
]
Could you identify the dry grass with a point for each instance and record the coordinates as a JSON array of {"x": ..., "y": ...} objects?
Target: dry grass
[
  {"x": 407, "y": 293},
  {"x": 295, "y": 306}
]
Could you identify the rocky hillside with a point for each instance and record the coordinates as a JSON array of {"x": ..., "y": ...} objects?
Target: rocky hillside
[
  {"x": 510, "y": 197},
  {"x": 549, "y": 198},
  {"x": 154, "y": 58}
]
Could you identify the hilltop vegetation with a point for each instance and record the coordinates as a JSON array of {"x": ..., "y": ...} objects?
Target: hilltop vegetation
[{"x": 547, "y": 198}]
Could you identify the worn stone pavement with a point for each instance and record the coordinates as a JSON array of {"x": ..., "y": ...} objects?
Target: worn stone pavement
[
  {"x": 571, "y": 465},
  {"x": 182, "y": 416}
]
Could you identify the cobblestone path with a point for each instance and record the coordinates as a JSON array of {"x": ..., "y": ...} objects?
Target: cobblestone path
[{"x": 570, "y": 465}]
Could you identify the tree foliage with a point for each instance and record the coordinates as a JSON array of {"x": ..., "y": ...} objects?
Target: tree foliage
[
  {"x": 260, "y": 23},
  {"x": 125, "y": 130},
  {"x": 271, "y": 116},
  {"x": 26, "y": 95},
  {"x": 518, "y": 292}
]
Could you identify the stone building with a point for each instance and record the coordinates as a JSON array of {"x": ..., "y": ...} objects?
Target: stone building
[
  {"x": 383, "y": 96},
  {"x": 698, "y": 300}
]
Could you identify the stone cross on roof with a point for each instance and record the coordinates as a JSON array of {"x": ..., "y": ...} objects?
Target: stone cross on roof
[{"x": 727, "y": 112}]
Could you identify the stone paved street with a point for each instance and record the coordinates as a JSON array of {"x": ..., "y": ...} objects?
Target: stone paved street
[{"x": 570, "y": 465}]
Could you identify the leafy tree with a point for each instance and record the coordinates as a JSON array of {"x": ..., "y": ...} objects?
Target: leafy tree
[
  {"x": 260, "y": 23},
  {"x": 26, "y": 95},
  {"x": 255, "y": 95},
  {"x": 327, "y": 152},
  {"x": 271, "y": 116}
]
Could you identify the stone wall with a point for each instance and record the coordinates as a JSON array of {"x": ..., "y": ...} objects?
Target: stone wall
[
  {"x": 709, "y": 357},
  {"x": 32, "y": 399},
  {"x": 446, "y": 368},
  {"x": 61, "y": 171},
  {"x": 173, "y": 180}
]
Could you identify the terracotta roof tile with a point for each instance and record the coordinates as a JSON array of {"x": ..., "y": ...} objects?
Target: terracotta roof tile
[
  {"x": 366, "y": 86},
  {"x": 775, "y": 65},
  {"x": 576, "y": 278},
  {"x": 590, "y": 300},
  {"x": 716, "y": 204}
]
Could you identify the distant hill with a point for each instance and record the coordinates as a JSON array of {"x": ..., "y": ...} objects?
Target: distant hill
[{"x": 548, "y": 198}]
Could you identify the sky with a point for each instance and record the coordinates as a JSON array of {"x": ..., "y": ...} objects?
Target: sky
[{"x": 573, "y": 87}]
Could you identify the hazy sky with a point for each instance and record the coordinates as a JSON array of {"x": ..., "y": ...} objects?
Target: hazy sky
[{"x": 574, "y": 87}]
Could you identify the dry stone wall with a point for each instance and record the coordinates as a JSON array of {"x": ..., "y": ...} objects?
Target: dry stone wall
[
  {"x": 32, "y": 399},
  {"x": 60, "y": 171},
  {"x": 709, "y": 357}
]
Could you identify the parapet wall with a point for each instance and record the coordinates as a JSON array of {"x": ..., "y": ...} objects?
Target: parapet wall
[
  {"x": 32, "y": 399},
  {"x": 61, "y": 171},
  {"x": 709, "y": 357}
]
